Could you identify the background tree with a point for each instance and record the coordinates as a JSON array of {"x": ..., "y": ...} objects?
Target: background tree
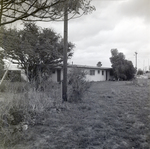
[
  {"x": 122, "y": 68},
  {"x": 99, "y": 64},
  {"x": 37, "y": 50}
]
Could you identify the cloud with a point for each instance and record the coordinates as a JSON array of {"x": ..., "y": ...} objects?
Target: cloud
[
  {"x": 136, "y": 8},
  {"x": 121, "y": 24}
]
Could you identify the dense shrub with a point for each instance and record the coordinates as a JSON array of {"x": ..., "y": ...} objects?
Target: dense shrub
[{"x": 77, "y": 84}]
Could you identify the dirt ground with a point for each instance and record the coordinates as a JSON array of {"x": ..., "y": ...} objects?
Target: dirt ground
[{"x": 112, "y": 115}]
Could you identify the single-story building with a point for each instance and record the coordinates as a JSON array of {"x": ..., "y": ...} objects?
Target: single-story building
[{"x": 93, "y": 73}]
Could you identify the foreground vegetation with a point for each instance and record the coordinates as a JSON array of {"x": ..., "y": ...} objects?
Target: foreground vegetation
[{"x": 110, "y": 115}]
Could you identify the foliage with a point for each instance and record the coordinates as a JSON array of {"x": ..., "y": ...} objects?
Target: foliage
[
  {"x": 140, "y": 72},
  {"x": 41, "y": 10},
  {"x": 99, "y": 64},
  {"x": 77, "y": 84},
  {"x": 122, "y": 68},
  {"x": 13, "y": 75},
  {"x": 37, "y": 50}
]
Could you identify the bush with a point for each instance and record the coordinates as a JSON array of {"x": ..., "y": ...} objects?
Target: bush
[
  {"x": 77, "y": 84},
  {"x": 12, "y": 117},
  {"x": 140, "y": 72}
]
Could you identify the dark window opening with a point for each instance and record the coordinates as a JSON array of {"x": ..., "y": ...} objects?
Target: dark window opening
[
  {"x": 102, "y": 72},
  {"x": 92, "y": 72}
]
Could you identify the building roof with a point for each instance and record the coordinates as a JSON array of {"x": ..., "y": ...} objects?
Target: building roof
[
  {"x": 1, "y": 49},
  {"x": 89, "y": 67},
  {"x": 9, "y": 65}
]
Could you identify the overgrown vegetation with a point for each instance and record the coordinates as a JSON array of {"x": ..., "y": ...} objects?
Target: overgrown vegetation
[
  {"x": 23, "y": 108},
  {"x": 77, "y": 84},
  {"x": 111, "y": 115}
]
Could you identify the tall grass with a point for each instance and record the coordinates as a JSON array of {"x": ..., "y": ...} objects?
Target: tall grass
[
  {"x": 25, "y": 106},
  {"x": 22, "y": 108}
]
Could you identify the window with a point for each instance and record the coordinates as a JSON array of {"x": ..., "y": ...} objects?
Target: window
[
  {"x": 92, "y": 72},
  {"x": 98, "y": 71},
  {"x": 102, "y": 72}
]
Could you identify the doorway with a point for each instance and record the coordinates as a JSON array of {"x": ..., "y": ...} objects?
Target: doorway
[
  {"x": 106, "y": 75},
  {"x": 58, "y": 75}
]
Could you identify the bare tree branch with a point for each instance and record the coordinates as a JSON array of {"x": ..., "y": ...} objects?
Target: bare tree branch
[{"x": 41, "y": 10}]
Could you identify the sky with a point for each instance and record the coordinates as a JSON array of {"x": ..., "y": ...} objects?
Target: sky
[{"x": 116, "y": 24}]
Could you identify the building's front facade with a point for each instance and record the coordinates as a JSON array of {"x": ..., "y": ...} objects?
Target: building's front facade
[{"x": 92, "y": 73}]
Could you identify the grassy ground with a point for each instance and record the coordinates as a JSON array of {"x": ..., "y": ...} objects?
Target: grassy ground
[{"x": 112, "y": 115}]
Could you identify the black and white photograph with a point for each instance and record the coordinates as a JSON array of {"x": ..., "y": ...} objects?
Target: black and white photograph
[{"x": 74, "y": 74}]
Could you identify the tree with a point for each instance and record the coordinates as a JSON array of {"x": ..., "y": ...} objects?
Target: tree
[
  {"x": 122, "y": 68},
  {"x": 41, "y": 10},
  {"x": 37, "y": 50},
  {"x": 99, "y": 64},
  {"x": 45, "y": 10}
]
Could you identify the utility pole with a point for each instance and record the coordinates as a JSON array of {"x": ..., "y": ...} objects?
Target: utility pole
[
  {"x": 136, "y": 60},
  {"x": 64, "y": 86}
]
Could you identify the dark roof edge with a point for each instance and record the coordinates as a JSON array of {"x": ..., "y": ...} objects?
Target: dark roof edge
[{"x": 87, "y": 67}]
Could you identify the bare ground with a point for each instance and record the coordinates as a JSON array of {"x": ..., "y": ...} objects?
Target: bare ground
[{"x": 112, "y": 115}]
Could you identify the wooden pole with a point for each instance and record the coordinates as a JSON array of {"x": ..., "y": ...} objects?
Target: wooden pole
[
  {"x": 64, "y": 90},
  {"x": 1, "y": 81}
]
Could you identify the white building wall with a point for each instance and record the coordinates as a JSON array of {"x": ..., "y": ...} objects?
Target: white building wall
[
  {"x": 54, "y": 74},
  {"x": 97, "y": 76}
]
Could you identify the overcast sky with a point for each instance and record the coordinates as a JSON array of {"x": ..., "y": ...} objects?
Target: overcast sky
[{"x": 121, "y": 24}]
